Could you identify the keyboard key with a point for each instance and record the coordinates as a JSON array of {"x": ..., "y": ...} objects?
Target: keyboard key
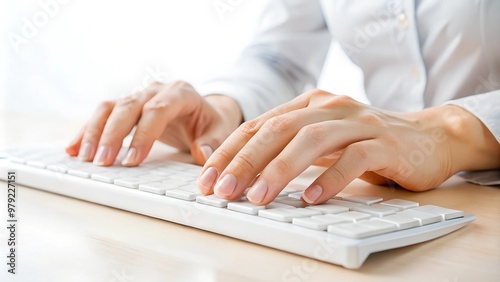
[
  {"x": 130, "y": 182},
  {"x": 328, "y": 209},
  {"x": 182, "y": 194},
  {"x": 212, "y": 200},
  {"x": 386, "y": 207},
  {"x": 79, "y": 173},
  {"x": 378, "y": 211},
  {"x": 296, "y": 195},
  {"x": 353, "y": 216},
  {"x": 401, "y": 221},
  {"x": 400, "y": 204},
  {"x": 446, "y": 214},
  {"x": 319, "y": 222},
  {"x": 161, "y": 187},
  {"x": 349, "y": 205},
  {"x": 290, "y": 201},
  {"x": 108, "y": 177},
  {"x": 362, "y": 229},
  {"x": 424, "y": 218},
  {"x": 249, "y": 208},
  {"x": 153, "y": 177},
  {"x": 183, "y": 176},
  {"x": 156, "y": 187},
  {"x": 133, "y": 172},
  {"x": 287, "y": 215},
  {"x": 37, "y": 163},
  {"x": 365, "y": 200}
]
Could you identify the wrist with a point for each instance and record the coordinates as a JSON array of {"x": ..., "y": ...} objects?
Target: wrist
[
  {"x": 227, "y": 108},
  {"x": 470, "y": 143}
]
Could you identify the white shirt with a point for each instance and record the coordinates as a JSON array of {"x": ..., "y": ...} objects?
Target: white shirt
[{"x": 413, "y": 54}]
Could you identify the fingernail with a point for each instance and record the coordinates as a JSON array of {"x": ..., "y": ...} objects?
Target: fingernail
[
  {"x": 225, "y": 187},
  {"x": 258, "y": 191},
  {"x": 206, "y": 151},
  {"x": 85, "y": 153},
  {"x": 131, "y": 157},
  {"x": 312, "y": 194},
  {"x": 101, "y": 155},
  {"x": 207, "y": 180}
]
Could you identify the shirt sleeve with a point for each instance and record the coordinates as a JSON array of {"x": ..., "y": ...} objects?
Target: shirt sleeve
[
  {"x": 283, "y": 60},
  {"x": 486, "y": 107}
]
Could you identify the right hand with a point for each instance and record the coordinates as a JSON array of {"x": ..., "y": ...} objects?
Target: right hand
[{"x": 172, "y": 113}]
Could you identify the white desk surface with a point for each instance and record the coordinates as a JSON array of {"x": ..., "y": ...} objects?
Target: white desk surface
[{"x": 64, "y": 239}]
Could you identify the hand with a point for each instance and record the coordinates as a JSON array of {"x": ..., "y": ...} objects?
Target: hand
[
  {"x": 172, "y": 113},
  {"x": 415, "y": 150}
]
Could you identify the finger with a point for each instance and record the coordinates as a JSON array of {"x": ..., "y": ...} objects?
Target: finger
[
  {"x": 266, "y": 144},
  {"x": 329, "y": 160},
  {"x": 312, "y": 141},
  {"x": 169, "y": 104},
  {"x": 120, "y": 122},
  {"x": 203, "y": 146},
  {"x": 377, "y": 179},
  {"x": 284, "y": 135},
  {"x": 369, "y": 155},
  {"x": 233, "y": 144},
  {"x": 74, "y": 146},
  {"x": 93, "y": 131}
]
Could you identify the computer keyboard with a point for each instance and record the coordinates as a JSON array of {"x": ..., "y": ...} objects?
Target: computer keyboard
[{"x": 344, "y": 230}]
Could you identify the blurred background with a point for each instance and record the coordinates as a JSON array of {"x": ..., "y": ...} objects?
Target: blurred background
[{"x": 60, "y": 58}]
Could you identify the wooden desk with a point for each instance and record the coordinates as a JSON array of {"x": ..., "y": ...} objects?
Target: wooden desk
[{"x": 64, "y": 239}]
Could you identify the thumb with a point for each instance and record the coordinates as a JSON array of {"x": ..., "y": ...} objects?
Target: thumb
[{"x": 203, "y": 147}]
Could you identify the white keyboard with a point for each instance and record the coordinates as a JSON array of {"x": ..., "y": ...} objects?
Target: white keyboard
[{"x": 343, "y": 231}]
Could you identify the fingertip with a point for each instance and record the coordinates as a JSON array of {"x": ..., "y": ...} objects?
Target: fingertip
[
  {"x": 312, "y": 194},
  {"x": 200, "y": 154},
  {"x": 73, "y": 147},
  {"x": 72, "y": 150},
  {"x": 206, "y": 151},
  {"x": 86, "y": 152},
  {"x": 131, "y": 159},
  {"x": 102, "y": 157},
  {"x": 258, "y": 192},
  {"x": 206, "y": 180}
]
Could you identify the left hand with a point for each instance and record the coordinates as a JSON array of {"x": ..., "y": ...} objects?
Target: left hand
[{"x": 416, "y": 150}]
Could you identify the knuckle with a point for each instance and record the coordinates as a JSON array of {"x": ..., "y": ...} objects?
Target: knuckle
[
  {"x": 155, "y": 84},
  {"x": 335, "y": 175},
  {"x": 92, "y": 135},
  {"x": 370, "y": 118},
  {"x": 245, "y": 161},
  {"x": 317, "y": 93},
  {"x": 281, "y": 167},
  {"x": 222, "y": 154},
  {"x": 279, "y": 124},
  {"x": 249, "y": 128},
  {"x": 358, "y": 152},
  {"x": 314, "y": 132},
  {"x": 128, "y": 102},
  {"x": 106, "y": 105},
  {"x": 181, "y": 84},
  {"x": 141, "y": 137},
  {"x": 155, "y": 106},
  {"x": 341, "y": 101}
]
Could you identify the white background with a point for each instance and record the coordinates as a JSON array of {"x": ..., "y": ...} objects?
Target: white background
[{"x": 74, "y": 53}]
